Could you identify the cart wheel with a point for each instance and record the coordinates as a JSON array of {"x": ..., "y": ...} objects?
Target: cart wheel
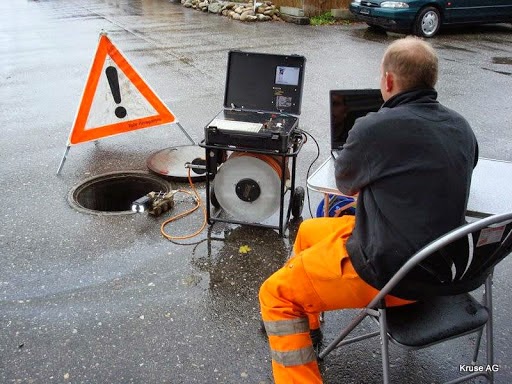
[
  {"x": 298, "y": 202},
  {"x": 213, "y": 198}
]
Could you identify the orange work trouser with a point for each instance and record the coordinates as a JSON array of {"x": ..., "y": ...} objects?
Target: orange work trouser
[{"x": 319, "y": 277}]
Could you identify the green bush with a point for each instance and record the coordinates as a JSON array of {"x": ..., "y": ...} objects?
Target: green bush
[{"x": 323, "y": 19}]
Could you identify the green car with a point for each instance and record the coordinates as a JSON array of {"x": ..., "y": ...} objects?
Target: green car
[{"x": 425, "y": 17}]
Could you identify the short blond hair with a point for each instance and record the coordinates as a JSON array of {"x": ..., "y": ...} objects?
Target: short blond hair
[{"x": 413, "y": 61}]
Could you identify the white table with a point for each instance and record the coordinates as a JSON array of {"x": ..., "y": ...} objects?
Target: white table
[{"x": 490, "y": 193}]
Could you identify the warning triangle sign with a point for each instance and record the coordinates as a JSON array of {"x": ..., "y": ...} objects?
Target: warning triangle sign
[{"x": 116, "y": 99}]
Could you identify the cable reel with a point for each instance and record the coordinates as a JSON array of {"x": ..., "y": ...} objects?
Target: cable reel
[{"x": 247, "y": 186}]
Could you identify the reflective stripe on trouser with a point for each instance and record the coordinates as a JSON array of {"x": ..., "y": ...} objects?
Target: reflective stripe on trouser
[
  {"x": 291, "y": 347},
  {"x": 291, "y": 327},
  {"x": 320, "y": 277}
]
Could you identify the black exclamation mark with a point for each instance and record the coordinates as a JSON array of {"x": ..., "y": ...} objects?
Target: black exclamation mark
[{"x": 113, "y": 81}]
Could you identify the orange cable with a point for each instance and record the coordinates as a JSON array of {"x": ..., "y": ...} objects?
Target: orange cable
[{"x": 199, "y": 203}]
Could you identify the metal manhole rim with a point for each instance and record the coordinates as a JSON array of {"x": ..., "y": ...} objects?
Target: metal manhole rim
[{"x": 71, "y": 197}]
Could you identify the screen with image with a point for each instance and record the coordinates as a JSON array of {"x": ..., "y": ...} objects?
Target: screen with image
[
  {"x": 287, "y": 75},
  {"x": 264, "y": 82},
  {"x": 348, "y": 105}
]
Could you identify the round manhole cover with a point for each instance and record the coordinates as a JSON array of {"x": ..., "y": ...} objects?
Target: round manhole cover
[{"x": 114, "y": 193}]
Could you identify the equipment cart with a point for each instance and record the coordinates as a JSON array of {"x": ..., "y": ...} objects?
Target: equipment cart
[{"x": 252, "y": 144}]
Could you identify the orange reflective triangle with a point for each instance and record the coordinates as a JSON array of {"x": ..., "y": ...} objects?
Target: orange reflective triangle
[{"x": 116, "y": 99}]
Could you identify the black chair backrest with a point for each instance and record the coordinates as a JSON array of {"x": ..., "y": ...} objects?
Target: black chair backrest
[{"x": 460, "y": 266}]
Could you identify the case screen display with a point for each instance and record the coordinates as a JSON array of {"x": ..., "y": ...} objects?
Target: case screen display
[
  {"x": 287, "y": 75},
  {"x": 264, "y": 82}
]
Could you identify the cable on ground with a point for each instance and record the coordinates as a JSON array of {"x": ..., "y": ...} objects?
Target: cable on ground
[{"x": 198, "y": 204}]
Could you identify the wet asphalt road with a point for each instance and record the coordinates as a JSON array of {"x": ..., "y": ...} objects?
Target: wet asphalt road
[{"x": 106, "y": 299}]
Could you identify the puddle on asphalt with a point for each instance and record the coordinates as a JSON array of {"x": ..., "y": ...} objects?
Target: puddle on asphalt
[
  {"x": 502, "y": 60},
  {"x": 239, "y": 259},
  {"x": 375, "y": 35},
  {"x": 453, "y": 48},
  {"x": 499, "y": 72},
  {"x": 234, "y": 263}
]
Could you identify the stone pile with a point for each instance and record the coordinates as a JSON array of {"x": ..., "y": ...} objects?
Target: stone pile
[{"x": 265, "y": 11}]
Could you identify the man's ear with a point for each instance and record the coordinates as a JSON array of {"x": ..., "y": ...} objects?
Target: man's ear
[{"x": 389, "y": 82}]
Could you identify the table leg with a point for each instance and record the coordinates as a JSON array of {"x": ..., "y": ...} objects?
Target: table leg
[{"x": 326, "y": 204}]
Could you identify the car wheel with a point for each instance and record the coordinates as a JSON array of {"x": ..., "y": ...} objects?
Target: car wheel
[{"x": 427, "y": 22}]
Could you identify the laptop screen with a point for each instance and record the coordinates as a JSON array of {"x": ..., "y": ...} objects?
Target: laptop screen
[{"x": 348, "y": 105}]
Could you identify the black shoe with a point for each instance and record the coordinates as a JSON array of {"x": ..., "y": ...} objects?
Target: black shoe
[
  {"x": 262, "y": 328},
  {"x": 316, "y": 336}
]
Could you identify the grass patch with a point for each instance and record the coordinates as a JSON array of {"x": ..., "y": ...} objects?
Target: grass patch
[{"x": 323, "y": 19}]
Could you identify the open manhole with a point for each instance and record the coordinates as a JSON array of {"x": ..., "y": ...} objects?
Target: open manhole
[{"x": 114, "y": 193}]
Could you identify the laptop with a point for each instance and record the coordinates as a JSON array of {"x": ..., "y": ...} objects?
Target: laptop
[{"x": 346, "y": 106}]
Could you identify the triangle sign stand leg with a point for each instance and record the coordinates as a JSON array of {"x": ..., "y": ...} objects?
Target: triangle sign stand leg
[
  {"x": 185, "y": 133},
  {"x": 63, "y": 159}
]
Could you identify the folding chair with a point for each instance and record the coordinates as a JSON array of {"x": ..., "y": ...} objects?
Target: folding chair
[{"x": 449, "y": 268}]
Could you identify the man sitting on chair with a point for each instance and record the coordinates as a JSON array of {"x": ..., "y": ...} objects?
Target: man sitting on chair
[{"x": 410, "y": 164}]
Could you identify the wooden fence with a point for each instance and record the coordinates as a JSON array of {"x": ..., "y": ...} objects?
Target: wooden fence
[{"x": 313, "y": 7}]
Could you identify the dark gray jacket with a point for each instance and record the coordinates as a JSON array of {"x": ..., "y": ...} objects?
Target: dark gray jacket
[{"x": 411, "y": 163}]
